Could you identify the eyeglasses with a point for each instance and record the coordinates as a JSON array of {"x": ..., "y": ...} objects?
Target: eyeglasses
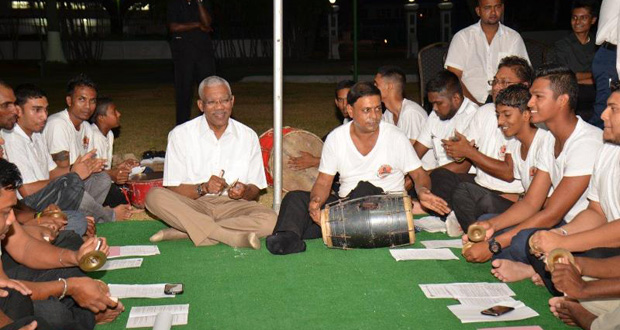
[
  {"x": 582, "y": 18},
  {"x": 223, "y": 102},
  {"x": 501, "y": 83}
]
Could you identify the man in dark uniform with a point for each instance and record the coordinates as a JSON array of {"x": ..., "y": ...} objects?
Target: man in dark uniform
[{"x": 189, "y": 23}]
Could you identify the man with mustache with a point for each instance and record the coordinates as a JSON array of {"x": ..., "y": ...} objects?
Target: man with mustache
[
  {"x": 476, "y": 50},
  {"x": 213, "y": 175}
]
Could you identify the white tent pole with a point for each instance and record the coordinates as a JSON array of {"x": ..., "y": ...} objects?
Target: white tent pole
[{"x": 277, "y": 103}]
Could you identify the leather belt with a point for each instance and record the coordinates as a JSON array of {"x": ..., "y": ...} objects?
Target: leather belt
[{"x": 609, "y": 46}]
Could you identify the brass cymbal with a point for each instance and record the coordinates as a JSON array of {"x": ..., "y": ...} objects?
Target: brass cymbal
[
  {"x": 476, "y": 233},
  {"x": 92, "y": 261},
  {"x": 54, "y": 214},
  {"x": 556, "y": 254}
]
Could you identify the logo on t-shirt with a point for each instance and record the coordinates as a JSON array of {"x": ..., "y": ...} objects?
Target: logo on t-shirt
[
  {"x": 533, "y": 170},
  {"x": 384, "y": 171},
  {"x": 85, "y": 142},
  {"x": 502, "y": 153}
]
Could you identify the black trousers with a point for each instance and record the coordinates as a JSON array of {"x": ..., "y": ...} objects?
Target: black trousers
[
  {"x": 19, "y": 308},
  {"x": 444, "y": 183},
  {"x": 115, "y": 196},
  {"x": 60, "y": 314},
  {"x": 470, "y": 201},
  {"x": 191, "y": 65},
  {"x": 539, "y": 265}
]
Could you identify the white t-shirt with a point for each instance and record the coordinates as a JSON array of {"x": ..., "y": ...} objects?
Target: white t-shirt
[
  {"x": 436, "y": 130},
  {"x": 384, "y": 166},
  {"x": 471, "y": 53},
  {"x": 346, "y": 120},
  {"x": 29, "y": 154},
  {"x": 104, "y": 145},
  {"x": 492, "y": 143},
  {"x": 194, "y": 154},
  {"x": 609, "y": 26},
  {"x": 604, "y": 183},
  {"x": 524, "y": 169},
  {"x": 576, "y": 159},
  {"x": 61, "y": 135}
]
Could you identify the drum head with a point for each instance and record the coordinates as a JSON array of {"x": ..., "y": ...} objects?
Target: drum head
[
  {"x": 292, "y": 143},
  {"x": 146, "y": 176}
]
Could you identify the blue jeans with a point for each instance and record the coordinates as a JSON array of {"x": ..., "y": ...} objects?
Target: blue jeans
[{"x": 603, "y": 69}]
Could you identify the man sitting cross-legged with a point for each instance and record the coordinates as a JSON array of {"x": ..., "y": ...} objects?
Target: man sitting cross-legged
[
  {"x": 213, "y": 175},
  {"x": 565, "y": 162},
  {"x": 371, "y": 157},
  {"x": 62, "y": 295}
]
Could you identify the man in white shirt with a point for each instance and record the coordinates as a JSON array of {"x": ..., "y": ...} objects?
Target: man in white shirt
[
  {"x": 213, "y": 175},
  {"x": 475, "y": 51},
  {"x": 606, "y": 64},
  {"x": 565, "y": 162},
  {"x": 485, "y": 145},
  {"x": 371, "y": 157}
]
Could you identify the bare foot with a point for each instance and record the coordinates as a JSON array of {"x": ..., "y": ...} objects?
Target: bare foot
[
  {"x": 109, "y": 314},
  {"x": 571, "y": 312},
  {"x": 122, "y": 212},
  {"x": 168, "y": 234},
  {"x": 511, "y": 271},
  {"x": 537, "y": 280}
]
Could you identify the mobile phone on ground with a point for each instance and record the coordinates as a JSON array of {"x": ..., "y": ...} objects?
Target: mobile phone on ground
[
  {"x": 497, "y": 310},
  {"x": 173, "y": 288}
]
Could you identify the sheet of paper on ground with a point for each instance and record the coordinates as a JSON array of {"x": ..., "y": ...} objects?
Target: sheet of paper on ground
[
  {"x": 144, "y": 317},
  {"x": 122, "y": 264},
  {"x": 132, "y": 251},
  {"x": 470, "y": 313},
  {"x": 466, "y": 290},
  {"x": 423, "y": 254},
  {"x": 139, "y": 291},
  {"x": 444, "y": 243}
]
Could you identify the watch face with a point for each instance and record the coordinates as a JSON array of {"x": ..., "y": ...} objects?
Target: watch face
[{"x": 494, "y": 247}]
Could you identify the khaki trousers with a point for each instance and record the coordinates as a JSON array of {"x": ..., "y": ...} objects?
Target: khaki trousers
[{"x": 199, "y": 218}]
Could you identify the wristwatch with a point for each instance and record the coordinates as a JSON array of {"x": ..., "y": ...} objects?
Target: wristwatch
[
  {"x": 494, "y": 246},
  {"x": 199, "y": 190}
]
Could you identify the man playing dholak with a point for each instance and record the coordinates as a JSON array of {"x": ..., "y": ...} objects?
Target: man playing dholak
[
  {"x": 371, "y": 156},
  {"x": 213, "y": 175}
]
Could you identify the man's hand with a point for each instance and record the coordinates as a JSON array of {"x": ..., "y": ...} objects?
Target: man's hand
[
  {"x": 120, "y": 174},
  {"x": 304, "y": 161},
  {"x": 237, "y": 191},
  {"x": 567, "y": 278},
  {"x": 433, "y": 202},
  {"x": 544, "y": 241},
  {"x": 489, "y": 231},
  {"x": 31, "y": 326},
  {"x": 91, "y": 228},
  {"x": 52, "y": 222},
  {"x": 86, "y": 165},
  {"x": 314, "y": 208},
  {"x": 478, "y": 252},
  {"x": 205, "y": 28},
  {"x": 459, "y": 147},
  {"x": 90, "y": 294},
  {"x": 91, "y": 244},
  {"x": 18, "y": 286},
  {"x": 42, "y": 232},
  {"x": 216, "y": 185}
]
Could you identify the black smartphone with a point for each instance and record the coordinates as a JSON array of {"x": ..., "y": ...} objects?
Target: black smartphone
[
  {"x": 497, "y": 310},
  {"x": 173, "y": 288}
]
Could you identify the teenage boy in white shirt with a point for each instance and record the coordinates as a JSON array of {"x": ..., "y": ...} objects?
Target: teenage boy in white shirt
[
  {"x": 476, "y": 50},
  {"x": 371, "y": 157},
  {"x": 213, "y": 175},
  {"x": 564, "y": 162}
]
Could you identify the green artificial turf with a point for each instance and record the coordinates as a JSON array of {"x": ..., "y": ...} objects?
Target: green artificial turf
[{"x": 321, "y": 288}]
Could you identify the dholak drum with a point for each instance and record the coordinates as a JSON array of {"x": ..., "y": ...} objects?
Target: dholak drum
[
  {"x": 140, "y": 184},
  {"x": 368, "y": 222},
  {"x": 293, "y": 142}
]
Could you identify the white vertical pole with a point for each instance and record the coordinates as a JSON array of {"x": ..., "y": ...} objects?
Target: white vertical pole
[{"x": 277, "y": 103}]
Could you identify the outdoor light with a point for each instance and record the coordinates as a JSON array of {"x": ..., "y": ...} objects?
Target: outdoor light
[
  {"x": 332, "y": 1},
  {"x": 385, "y": 41}
]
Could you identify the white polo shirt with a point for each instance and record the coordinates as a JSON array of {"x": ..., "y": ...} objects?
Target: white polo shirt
[
  {"x": 576, "y": 159},
  {"x": 29, "y": 154},
  {"x": 524, "y": 169},
  {"x": 436, "y": 130},
  {"x": 61, "y": 135},
  {"x": 604, "y": 183},
  {"x": 384, "y": 166},
  {"x": 471, "y": 53},
  {"x": 104, "y": 145},
  {"x": 493, "y": 143},
  {"x": 194, "y": 154}
]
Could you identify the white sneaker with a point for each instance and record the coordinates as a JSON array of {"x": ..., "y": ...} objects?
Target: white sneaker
[{"x": 453, "y": 228}]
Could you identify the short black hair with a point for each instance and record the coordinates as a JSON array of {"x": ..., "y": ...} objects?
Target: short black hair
[
  {"x": 395, "y": 74},
  {"x": 516, "y": 96},
  {"x": 347, "y": 83},
  {"x": 481, "y": 0},
  {"x": 445, "y": 81},
  {"x": 520, "y": 66},
  {"x": 4, "y": 84},
  {"x": 81, "y": 80},
  {"x": 10, "y": 177},
  {"x": 361, "y": 89},
  {"x": 562, "y": 81},
  {"x": 590, "y": 5},
  {"x": 102, "y": 108},
  {"x": 25, "y": 92}
]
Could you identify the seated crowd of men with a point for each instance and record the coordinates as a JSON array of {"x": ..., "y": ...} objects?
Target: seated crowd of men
[{"x": 523, "y": 166}]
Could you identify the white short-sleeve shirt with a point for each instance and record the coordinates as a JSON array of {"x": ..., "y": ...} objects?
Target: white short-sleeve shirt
[
  {"x": 576, "y": 159},
  {"x": 61, "y": 135},
  {"x": 493, "y": 143},
  {"x": 524, "y": 169},
  {"x": 384, "y": 166},
  {"x": 609, "y": 26},
  {"x": 604, "y": 185},
  {"x": 194, "y": 154},
  {"x": 104, "y": 145},
  {"x": 436, "y": 130},
  {"x": 29, "y": 154},
  {"x": 471, "y": 53}
]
